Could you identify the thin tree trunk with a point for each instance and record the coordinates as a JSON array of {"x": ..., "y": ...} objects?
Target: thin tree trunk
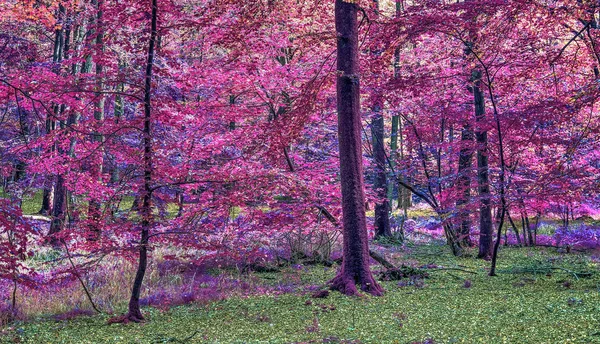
[
  {"x": 355, "y": 266},
  {"x": 514, "y": 227},
  {"x": 119, "y": 110},
  {"x": 57, "y": 54},
  {"x": 94, "y": 209},
  {"x": 529, "y": 236},
  {"x": 47, "y": 196},
  {"x": 404, "y": 194},
  {"x": 524, "y": 228},
  {"x": 61, "y": 194},
  {"x": 134, "y": 311},
  {"x": 382, "y": 205},
  {"x": 504, "y": 207},
  {"x": 465, "y": 163},
  {"x": 393, "y": 154}
]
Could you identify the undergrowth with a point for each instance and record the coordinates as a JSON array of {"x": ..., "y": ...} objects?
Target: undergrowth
[{"x": 540, "y": 296}]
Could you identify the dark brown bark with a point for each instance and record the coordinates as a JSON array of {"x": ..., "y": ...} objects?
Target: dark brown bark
[
  {"x": 524, "y": 228},
  {"x": 382, "y": 205},
  {"x": 504, "y": 207},
  {"x": 94, "y": 209},
  {"x": 485, "y": 209},
  {"x": 58, "y": 210},
  {"x": 465, "y": 163},
  {"x": 57, "y": 56},
  {"x": 61, "y": 194},
  {"x": 355, "y": 266},
  {"x": 47, "y": 196},
  {"x": 528, "y": 229},
  {"x": 134, "y": 312}
]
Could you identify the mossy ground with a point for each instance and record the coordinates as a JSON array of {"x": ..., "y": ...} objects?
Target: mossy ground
[{"x": 539, "y": 306}]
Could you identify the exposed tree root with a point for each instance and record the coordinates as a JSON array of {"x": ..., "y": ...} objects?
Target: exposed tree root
[
  {"x": 126, "y": 319},
  {"x": 347, "y": 285}
]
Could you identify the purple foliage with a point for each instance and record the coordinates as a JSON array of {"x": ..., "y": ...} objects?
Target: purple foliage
[{"x": 582, "y": 237}]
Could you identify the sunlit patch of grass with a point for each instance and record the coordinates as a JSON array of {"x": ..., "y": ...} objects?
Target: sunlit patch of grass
[
  {"x": 514, "y": 307},
  {"x": 33, "y": 203},
  {"x": 126, "y": 203},
  {"x": 420, "y": 212}
]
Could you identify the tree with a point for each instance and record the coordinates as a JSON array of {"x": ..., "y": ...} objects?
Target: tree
[
  {"x": 134, "y": 312},
  {"x": 355, "y": 266},
  {"x": 382, "y": 203},
  {"x": 483, "y": 182}
]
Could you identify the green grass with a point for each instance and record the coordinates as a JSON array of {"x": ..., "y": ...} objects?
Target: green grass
[
  {"x": 512, "y": 308},
  {"x": 31, "y": 203}
]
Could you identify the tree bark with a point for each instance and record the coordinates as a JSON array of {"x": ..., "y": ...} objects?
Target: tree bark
[
  {"x": 465, "y": 163},
  {"x": 355, "y": 266},
  {"x": 134, "y": 311},
  {"x": 61, "y": 194},
  {"x": 382, "y": 205},
  {"x": 393, "y": 154},
  {"x": 485, "y": 209},
  {"x": 94, "y": 209},
  {"x": 58, "y": 210}
]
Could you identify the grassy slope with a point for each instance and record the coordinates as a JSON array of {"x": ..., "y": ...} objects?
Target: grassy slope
[{"x": 511, "y": 308}]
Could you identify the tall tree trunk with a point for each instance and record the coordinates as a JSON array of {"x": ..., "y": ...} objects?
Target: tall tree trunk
[
  {"x": 393, "y": 155},
  {"x": 503, "y": 203},
  {"x": 57, "y": 55},
  {"x": 134, "y": 311},
  {"x": 94, "y": 209},
  {"x": 465, "y": 163},
  {"x": 61, "y": 194},
  {"x": 382, "y": 205},
  {"x": 355, "y": 266},
  {"x": 53, "y": 196},
  {"x": 119, "y": 111},
  {"x": 485, "y": 209},
  {"x": 404, "y": 194}
]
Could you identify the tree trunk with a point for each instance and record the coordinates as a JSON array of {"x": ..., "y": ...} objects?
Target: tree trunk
[
  {"x": 47, "y": 196},
  {"x": 58, "y": 210},
  {"x": 57, "y": 56},
  {"x": 524, "y": 228},
  {"x": 485, "y": 210},
  {"x": 94, "y": 209},
  {"x": 404, "y": 194},
  {"x": 355, "y": 266},
  {"x": 382, "y": 205},
  {"x": 134, "y": 312},
  {"x": 393, "y": 154},
  {"x": 514, "y": 227},
  {"x": 465, "y": 163},
  {"x": 61, "y": 194}
]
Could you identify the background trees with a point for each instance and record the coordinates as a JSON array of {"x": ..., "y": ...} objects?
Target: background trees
[{"x": 223, "y": 145}]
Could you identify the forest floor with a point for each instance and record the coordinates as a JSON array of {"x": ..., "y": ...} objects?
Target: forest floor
[{"x": 540, "y": 296}]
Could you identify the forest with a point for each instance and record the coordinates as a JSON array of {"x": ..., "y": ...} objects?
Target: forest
[{"x": 299, "y": 171}]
